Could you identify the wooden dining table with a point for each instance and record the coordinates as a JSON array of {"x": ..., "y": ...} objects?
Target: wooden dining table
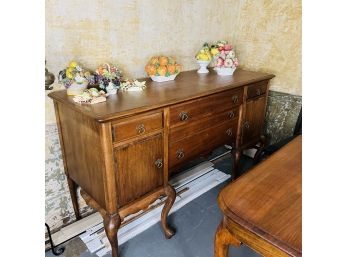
[{"x": 263, "y": 208}]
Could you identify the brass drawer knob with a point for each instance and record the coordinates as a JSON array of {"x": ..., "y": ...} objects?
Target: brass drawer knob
[
  {"x": 231, "y": 114},
  {"x": 235, "y": 99},
  {"x": 141, "y": 128},
  {"x": 258, "y": 91},
  {"x": 180, "y": 154},
  {"x": 183, "y": 116},
  {"x": 229, "y": 132},
  {"x": 159, "y": 163},
  {"x": 246, "y": 125}
]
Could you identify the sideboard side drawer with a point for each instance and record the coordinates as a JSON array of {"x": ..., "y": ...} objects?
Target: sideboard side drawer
[
  {"x": 181, "y": 114},
  {"x": 136, "y": 126},
  {"x": 257, "y": 89}
]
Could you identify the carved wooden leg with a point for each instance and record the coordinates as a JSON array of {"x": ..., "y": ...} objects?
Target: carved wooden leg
[
  {"x": 72, "y": 188},
  {"x": 171, "y": 194},
  {"x": 263, "y": 144},
  {"x": 236, "y": 154},
  {"x": 111, "y": 224},
  {"x": 223, "y": 238}
]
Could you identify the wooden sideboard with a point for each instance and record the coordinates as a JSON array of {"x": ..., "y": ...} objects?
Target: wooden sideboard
[{"x": 123, "y": 151}]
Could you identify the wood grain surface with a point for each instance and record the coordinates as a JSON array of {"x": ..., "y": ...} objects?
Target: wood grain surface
[
  {"x": 267, "y": 201},
  {"x": 187, "y": 85}
]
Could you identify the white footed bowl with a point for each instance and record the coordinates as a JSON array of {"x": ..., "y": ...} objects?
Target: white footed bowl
[
  {"x": 163, "y": 78},
  {"x": 223, "y": 71},
  {"x": 203, "y": 66}
]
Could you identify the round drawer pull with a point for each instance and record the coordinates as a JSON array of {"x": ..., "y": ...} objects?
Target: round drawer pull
[
  {"x": 229, "y": 132},
  {"x": 246, "y": 125},
  {"x": 141, "y": 128},
  {"x": 231, "y": 114},
  {"x": 258, "y": 91},
  {"x": 159, "y": 163},
  {"x": 183, "y": 116},
  {"x": 235, "y": 99},
  {"x": 180, "y": 154}
]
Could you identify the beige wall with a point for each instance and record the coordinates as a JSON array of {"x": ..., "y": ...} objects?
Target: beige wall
[
  {"x": 265, "y": 33},
  {"x": 267, "y": 37},
  {"x": 128, "y": 33}
]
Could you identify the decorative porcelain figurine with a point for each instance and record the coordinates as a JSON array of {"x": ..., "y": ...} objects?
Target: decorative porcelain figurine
[
  {"x": 203, "y": 58},
  {"x": 108, "y": 78},
  {"x": 225, "y": 60},
  {"x": 162, "y": 68},
  {"x": 74, "y": 78}
]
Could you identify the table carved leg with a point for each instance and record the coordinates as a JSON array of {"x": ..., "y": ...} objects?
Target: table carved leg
[
  {"x": 73, "y": 193},
  {"x": 263, "y": 144},
  {"x": 223, "y": 238},
  {"x": 236, "y": 154},
  {"x": 171, "y": 194}
]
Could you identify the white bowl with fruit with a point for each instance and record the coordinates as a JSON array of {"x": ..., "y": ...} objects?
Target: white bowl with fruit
[
  {"x": 225, "y": 60},
  {"x": 203, "y": 58}
]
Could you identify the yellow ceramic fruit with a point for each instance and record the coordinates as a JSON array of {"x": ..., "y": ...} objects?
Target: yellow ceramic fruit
[
  {"x": 163, "y": 60},
  {"x": 69, "y": 72},
  {"x": 72, "y": 64},
  {"x": 161, "y": 70},
  {"x": 203, "y": 57},
  {"x": 214, "y": 51}
]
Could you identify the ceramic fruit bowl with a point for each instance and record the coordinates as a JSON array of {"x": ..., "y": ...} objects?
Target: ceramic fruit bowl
[
  {"x": 163, "y": 78},
  {"x": 203, "y": 66},
  {"x": 77, "y": 88},
  {"x": 223, "y": 71}
]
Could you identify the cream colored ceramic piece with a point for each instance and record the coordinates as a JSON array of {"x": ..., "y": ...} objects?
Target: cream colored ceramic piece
[
  {"x": 163, "y": 78},
  {"x": 225, "y": 71},
  {"x": 77, "y": 89},
  {"x": 203, "y": 66},
  {"x": 111, "y": 89}
]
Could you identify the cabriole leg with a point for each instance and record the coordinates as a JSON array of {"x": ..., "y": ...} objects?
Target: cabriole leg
[
  {"x": 223, "y": 238},
  {"x": 171, "y": 194},
  {"x": 111, "y": 225}
]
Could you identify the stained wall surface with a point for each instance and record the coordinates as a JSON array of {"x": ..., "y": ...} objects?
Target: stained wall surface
[{"x": 267, "y": 35}]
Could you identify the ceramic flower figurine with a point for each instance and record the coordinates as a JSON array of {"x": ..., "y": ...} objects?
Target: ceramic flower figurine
[
  {"x": 75, "y": 78},
  {"x": 225, "y": 60},
  {"x": 108, "y": 77}
]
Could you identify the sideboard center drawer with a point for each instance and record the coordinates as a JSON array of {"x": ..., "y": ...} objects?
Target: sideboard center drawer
[
  {"x": 136, "y": 126},
  {"x": 184, "y": 113}
]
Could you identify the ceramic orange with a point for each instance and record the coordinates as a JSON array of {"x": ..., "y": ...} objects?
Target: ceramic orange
[
  {"x": 150, "y": 69},
  {"x": 154, "y": 60},
  {"x": 163, "y": 60},
  {"x": 171, "y": 69},
  {"x": 161, "y": 70},
  {"x": 178, "y": 67}
]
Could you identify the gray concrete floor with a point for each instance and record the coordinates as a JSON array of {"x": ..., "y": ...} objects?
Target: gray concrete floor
[{"x": 195, "y": 226}]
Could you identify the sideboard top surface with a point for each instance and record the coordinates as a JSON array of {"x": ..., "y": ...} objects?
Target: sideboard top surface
[{"x": 187, "y": 85}]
